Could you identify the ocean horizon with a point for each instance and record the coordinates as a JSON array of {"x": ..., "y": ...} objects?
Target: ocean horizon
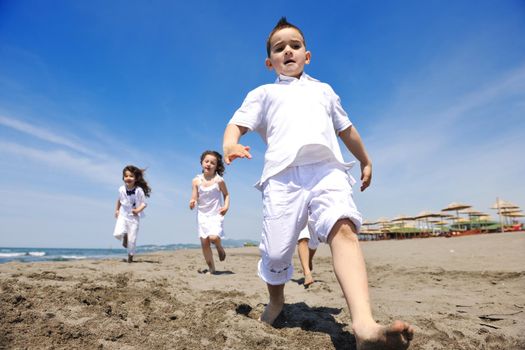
[{"x": 31, "y": 254}]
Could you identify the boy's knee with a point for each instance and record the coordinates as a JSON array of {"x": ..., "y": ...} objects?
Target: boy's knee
[{"x": 344, "y": 228}]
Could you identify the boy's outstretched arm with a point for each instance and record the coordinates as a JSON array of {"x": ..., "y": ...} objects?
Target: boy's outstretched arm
[
  {"x": 230, "y": 144},
  {"x": 355, "y": 145}
]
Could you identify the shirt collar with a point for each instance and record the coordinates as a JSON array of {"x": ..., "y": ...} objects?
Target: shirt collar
[
  {"x": 284, "y": 79},
  {"x": 130, "y": 192}
]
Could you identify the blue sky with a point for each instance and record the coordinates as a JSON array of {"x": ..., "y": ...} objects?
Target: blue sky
[{"x": 436, "y": 89}]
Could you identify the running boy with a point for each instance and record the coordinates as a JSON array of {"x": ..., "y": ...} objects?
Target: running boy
[{"x": 304, "y": 176}]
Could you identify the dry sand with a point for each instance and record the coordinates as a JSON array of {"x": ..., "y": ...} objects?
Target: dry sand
[{"x": 460, "y": 293}]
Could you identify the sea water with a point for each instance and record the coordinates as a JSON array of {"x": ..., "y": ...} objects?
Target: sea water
[{"x": 68, "y": 254}]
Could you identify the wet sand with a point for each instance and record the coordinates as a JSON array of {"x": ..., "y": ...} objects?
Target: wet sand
[{"x": 460, "y": 293}]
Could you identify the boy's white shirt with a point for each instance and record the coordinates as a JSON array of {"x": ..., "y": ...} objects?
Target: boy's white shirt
[
  {"x": 126, "y": 206},
  {"x": 298, "y": 119}
]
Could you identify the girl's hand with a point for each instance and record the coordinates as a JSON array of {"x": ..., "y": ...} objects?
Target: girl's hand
[
  {"x": 223, "y": 211},
  {"x": 235, "y": 151},
  {"x": 192, "y": 203},
  {"x": 116, "y": 213},
  {"x": 135, "y": 212}
]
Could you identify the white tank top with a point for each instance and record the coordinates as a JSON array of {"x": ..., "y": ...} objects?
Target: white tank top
[{"x": 210, "y": 197}]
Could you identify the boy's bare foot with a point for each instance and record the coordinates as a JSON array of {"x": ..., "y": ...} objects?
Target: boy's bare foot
[
  {"x": 308, "y": 280},
  {"x": 271, "y": 312},
  {"x": 125, "y": 241},
  {"x": 222, "y": 253},
  {"x": 130, "y": 258},
  {"x": 397, "y": 336}
]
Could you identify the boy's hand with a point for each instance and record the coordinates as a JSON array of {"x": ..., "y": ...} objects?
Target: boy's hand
[
  {"x": 366, "y": 176},
  {"x": 192, "y": 203},
  {"x": 234, "y": 151}
]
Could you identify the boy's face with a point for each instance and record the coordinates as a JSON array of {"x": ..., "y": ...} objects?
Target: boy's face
[{"x": 288, "y": 54}]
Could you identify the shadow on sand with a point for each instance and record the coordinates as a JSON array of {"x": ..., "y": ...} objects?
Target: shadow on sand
[
  {"x": 313, "y": 319},
  {"x": 206, "y": 271},
  {"x": 142, "y": 261}
]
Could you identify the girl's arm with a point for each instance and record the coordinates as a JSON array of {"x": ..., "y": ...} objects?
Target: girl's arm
[
  {"x": 353, "y": 142},
  {"x": 117, "y": 208},
  {"x": 230, "y": 144},
  {"x": 194, "y": 193},
  {"x": 140, "y": 208},
  {"x": 226, "y": 195},
  {"x": 141, "y": 198}
]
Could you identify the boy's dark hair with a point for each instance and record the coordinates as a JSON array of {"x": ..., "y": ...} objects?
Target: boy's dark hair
[
  {"x": 139, "y": 178},
  {"x": 283, "y": 23},
  {"x": 217, "y": 155}
]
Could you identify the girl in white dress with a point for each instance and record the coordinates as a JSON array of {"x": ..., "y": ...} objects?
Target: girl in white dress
[
  {"x": 210, "y": 195},
  {"x": 130, "y": 207}
]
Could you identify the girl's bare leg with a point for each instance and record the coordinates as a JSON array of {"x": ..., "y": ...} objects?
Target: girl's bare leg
[
  {"x": 220, "y": 249},
  {"x": 305, "y": 257},
  {"x": 275, "y": 305},
  {"x": 208, "y": 254},
  {"x": 350, "y": 270}
]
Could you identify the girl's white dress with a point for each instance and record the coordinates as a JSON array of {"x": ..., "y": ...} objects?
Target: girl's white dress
[
  {"x": 127, "y": 222},
  {"x": 209, "y": 220}
]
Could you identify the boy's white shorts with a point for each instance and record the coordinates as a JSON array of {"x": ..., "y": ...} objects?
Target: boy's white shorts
[
  {"x": 320, "y": 193},
  {"x": 131, "y": 227}
]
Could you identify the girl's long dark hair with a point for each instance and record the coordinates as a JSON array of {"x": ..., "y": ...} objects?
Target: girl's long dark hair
[
  {"x": 217, "y": 155},
  {"x": 139, "y": 178}
]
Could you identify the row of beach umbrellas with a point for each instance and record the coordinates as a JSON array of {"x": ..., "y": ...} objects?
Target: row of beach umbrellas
[{"x": 504, "y": 209}]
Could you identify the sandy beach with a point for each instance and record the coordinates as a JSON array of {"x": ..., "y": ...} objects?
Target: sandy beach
[{"x": 460, "y": 293}]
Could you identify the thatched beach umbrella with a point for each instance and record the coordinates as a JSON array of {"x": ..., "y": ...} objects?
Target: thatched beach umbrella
[
  {"x": 513, "y": 215},
  {"x": 369, "y": 223},
  {"x": 425, "y": 214},
  {"x": 454, "y": 206},
  {"x": 383, "y": 221},
  {"x": 500, "y": 205},
  {"x": 473, "y": 214},
  {"x": 402, "y": 219}
]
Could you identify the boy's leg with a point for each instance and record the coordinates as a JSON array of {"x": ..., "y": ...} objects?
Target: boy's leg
[
  {"x": 306, "y": 262},
  {"x": 216, "y": 240},
  {"x": 350, "y": 270},
  {"x": 275, "y": 305},
  {"x": 285, "y": 212},
  {"x": 208, "y": 254}
]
